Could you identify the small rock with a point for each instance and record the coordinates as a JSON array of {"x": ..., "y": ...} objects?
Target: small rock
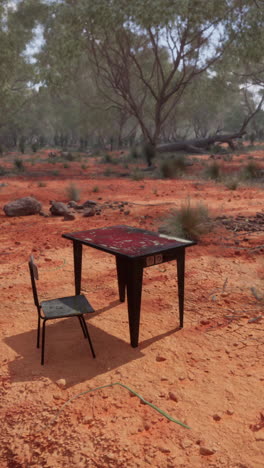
[
  {"x": 206, "y": 451},
  {"x": 229, "y": 412},
  {"x": 160, "y": 358},
  {"x": 89, "y": 204},
  {"x": 58, "y": 208},
  {"x": 61, "y": 383},
  {"x": 185, "y": 443},
  {"x": 89, "y": 212},
  {"x": 216, "y": 417},
  {"x": 173, "y": 397},
  {"x": 69, "y": 217},
  {"x": 127, "y": 212}
]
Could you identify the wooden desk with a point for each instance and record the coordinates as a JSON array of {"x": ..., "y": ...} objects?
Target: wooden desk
[{"x": 134, "y": 249}]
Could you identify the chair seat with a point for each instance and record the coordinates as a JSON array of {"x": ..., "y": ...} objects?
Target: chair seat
[{"x": 66, "y": 307}]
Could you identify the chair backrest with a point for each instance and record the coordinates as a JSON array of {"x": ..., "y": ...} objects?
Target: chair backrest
[{"x": 34, "y": 276}]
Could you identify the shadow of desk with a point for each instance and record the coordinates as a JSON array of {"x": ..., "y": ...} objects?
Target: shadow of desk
[{"x": 134, "y": 250}]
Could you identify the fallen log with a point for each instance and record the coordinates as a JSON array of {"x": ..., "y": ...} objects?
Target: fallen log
[{"x": 198, "y": 145}]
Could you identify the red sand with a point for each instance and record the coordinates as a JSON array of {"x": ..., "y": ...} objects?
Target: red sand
[{"x": 208, "y": 375}]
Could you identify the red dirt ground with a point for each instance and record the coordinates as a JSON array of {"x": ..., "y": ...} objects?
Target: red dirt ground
[{"x": 209, "y": 375}]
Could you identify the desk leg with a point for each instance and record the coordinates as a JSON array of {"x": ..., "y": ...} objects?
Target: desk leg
[
  {"x": 134, "y": 275},
  {"x": 77, "y": 256},
  {"x": 180, "y": 273},
  {"x": 121, "y": 277}
]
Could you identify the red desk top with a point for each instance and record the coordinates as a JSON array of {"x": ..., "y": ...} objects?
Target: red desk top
[{"x": 127, "y": 240}]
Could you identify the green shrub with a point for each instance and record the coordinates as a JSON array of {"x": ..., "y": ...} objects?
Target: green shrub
[
  {"x": 84, "y": 166},
  {"x": 134, "y": 153},
  {"x": 232, "y": 183},
  {"x": 55, "y": 173},
  {"x": 251, "y": 171},
  {"x": 212, "y": 171},
  {"x": 42, "y": 184},
  {"x": 3, "y": 171},
  {"x": 34, "y": 147},
  {"x": 19, "y": 165},
  {"x": 188, "y": 222},
  {"x": 173, "y": 167},
  {"x": 73, "y": 192},
  {"x": 136, "y": 174},
  {"x": 66, "y": 165},
  {"x": 95, "y": 189}
]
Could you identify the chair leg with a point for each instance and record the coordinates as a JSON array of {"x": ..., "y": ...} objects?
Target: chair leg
[
  {"x": 83, "y": 329},
  {"x": 43, "y": 342},
  {"x": 38, "y": 332},
  {"x": 88, "y": 336}
]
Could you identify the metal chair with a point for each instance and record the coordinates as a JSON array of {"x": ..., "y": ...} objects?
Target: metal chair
[{"x": 71, "y": 306}]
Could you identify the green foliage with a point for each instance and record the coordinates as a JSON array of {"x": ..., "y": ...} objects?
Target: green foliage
[
  {"x": 137, "y": 174},
  {"x": 73, "y": 193},
  {"x": 95, "y": 189},
  {"x": 251, "y": 171},
  {"x": 66, "y": 165},
  {"x": 212, "y": 171},
  {"x": 42, "y": 184},
  {"x": 19, "y": 165},
  {"x": 173, "y": 167},
  {"x": 34, "y": 147},
  {"x": 84, "y": 166},
  {"x": 3, "y": 171},
  {"x": 232, "y": 183},
  {"x": 188, "y": 222}
]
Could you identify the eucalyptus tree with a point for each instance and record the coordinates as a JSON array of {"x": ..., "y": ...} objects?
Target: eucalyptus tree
[
  {"x": 17, "y": 28},
  {"x": 144, "y": 55}
]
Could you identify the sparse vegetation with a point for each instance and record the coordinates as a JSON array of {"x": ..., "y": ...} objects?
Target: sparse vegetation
[
  {"x": 188, "y": 222},
  {"x": 212, "y": 171},
  {"x": 251, "y": 171},
  {"x": 137, "y": 174},
  {"x": 173, "y": 167},
  {"x": 42, "y": 184},
  {"x": 232, "y": 183},
  {"x": 19, "y": 165},
  {"x": 95, "y": 189},
  {"x": 73, "y": 193}
]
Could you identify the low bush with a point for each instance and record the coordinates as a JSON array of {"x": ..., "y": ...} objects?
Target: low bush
[
  {"x": 19, "y": 165},
  {"x": 188, "y": 222},
  {"x": 136, "y": 174},
  {"x": 231, "y": 183},
  {"x": 173, "y": 167},
  {"x": 212, "y": 171},
  {"x": 73, "y": 193},
  {"x": 251, "y": 171}
]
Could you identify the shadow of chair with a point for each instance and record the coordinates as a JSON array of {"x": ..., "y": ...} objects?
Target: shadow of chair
[{"x": 62, "y": 307}]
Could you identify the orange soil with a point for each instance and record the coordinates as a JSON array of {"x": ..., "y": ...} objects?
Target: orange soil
[{"x": 208, "y": 375}]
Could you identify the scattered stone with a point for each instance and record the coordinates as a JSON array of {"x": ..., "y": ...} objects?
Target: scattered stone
[
  {"x": 58, "y": 208},
  {"x": 61, "y": 383},
  {"x": 216, "y": 417},
  {"x": 42, "y": 213},
  {"x": 185, "y": 443},
  {"x": 160, "y": 358},
  {"x": 127, "y": 212},
  {"x": 73, "y": 204},
  {"x": 23, "y": 207},
  {"x": 206, "y": 451},
  {"x": 173, "y": 397},
  {"x": 230, "y": 412},
  {"x": 89, "y": 204},
  {"x": 89, "y": 212},
  {"x": 69, "y": 217}
]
